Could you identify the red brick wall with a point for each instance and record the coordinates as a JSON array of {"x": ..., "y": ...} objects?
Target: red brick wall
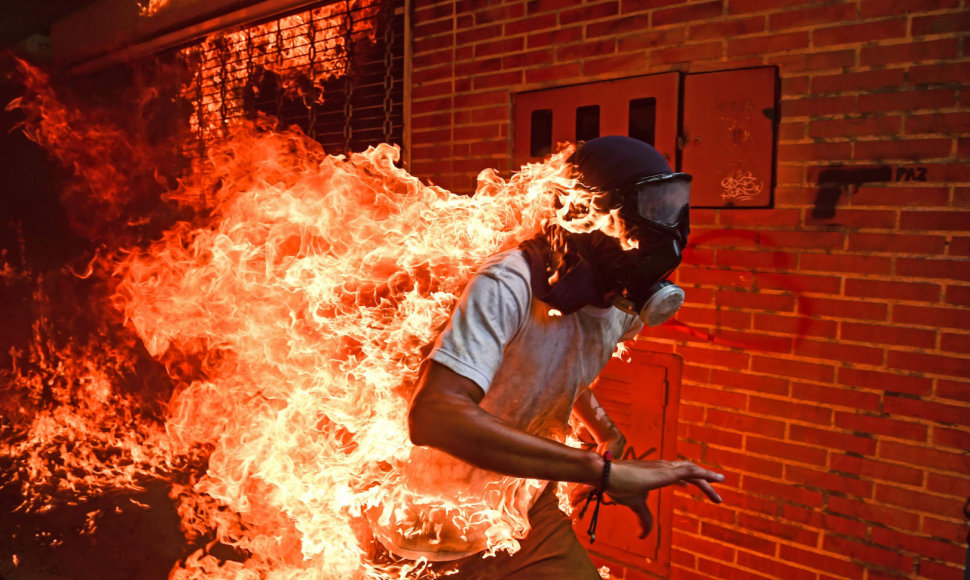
[{"x": 827, "y": 368}]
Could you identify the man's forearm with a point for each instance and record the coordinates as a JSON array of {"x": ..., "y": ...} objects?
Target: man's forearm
[{"x": 445, "y": 415}]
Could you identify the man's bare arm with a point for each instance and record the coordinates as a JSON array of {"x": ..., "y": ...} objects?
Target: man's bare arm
[
  {"x": 445, "y": 414},
  {"x": 593, "y": 416}
]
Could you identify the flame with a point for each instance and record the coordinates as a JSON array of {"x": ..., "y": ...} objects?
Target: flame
[
  {"x": 291, "y": 312},
  {"x": 302, "y": 51}
]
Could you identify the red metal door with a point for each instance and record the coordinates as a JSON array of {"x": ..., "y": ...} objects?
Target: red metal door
[{"x": 614, "y": 107}]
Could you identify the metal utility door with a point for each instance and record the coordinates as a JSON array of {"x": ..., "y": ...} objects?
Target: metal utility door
[
  {"x": 644, "y": 107},
  {"x": 641, "y": 396},
  {"x": 730, "y": 119}
]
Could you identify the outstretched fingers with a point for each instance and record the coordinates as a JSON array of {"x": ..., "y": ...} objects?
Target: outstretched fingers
[{"x": 699, "y": 477}]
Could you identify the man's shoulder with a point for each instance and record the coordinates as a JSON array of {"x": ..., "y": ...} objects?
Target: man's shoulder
[{"x": 509, "y": 266}]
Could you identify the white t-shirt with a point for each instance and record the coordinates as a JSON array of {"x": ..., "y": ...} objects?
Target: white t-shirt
[{"x": 531, "y": 362}]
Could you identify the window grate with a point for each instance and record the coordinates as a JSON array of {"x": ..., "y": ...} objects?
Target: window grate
[{"x": 335, "y": 70}]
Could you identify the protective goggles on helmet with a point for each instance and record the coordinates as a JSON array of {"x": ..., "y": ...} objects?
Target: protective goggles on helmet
[{"x": 661, "y": 198}]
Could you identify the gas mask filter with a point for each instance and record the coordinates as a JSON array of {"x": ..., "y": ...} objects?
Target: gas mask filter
[{"x": 657, "y": 209}]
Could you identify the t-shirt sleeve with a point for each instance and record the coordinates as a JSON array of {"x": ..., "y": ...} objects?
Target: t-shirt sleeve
[{"x": 489, "y": 313}]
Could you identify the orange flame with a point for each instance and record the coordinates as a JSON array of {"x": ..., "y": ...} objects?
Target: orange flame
[{"x": 292, "y": 315}]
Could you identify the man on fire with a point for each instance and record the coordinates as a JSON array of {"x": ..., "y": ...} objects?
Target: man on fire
[{"x": 533, "y": 329}]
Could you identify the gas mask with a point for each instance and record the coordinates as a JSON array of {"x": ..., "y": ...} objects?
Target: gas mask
[{"x": 656, "y": 214}]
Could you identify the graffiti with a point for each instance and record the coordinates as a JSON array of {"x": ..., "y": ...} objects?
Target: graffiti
[
  {"x": 904, "y": 173},
  {"x": 834, "y": 181},
  {"x": 742, "y": 186}
]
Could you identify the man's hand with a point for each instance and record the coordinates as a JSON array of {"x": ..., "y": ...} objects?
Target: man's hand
[{"x": 630, "y": 481}]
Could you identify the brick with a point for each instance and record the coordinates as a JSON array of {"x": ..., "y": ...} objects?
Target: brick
[
  {"x": 737, "y": 538},
  {"x": 892, "y": 290},
  {"x": 813, "y": 105},
  {"x": 890, "y": 382},
  {"x": 618, "y": 26},
  {"x": 756, "y": 259},
  {"x": 819, "y": 240},
  {"x": 850, "y": 309},
  {"x": 589, "y": 12},
  {"x": 554, "y": 74},
  {"x": 903, "y": 149},
  {"x": 773, "y": 567},
  {"x": 836, "y": 396},
  {"x": 826, "y": 481},
  {"x": 799, "y": 326},
  {"x": 839, "y": 351},
  {"x": 702, "y": 545},
  {"x": 958, "y": 295},
  {"x": 712, "y": 436},
  {"x": 876, "y": 8},
  {"x": 897, "y": 243},
  {"x": 747, "y": 381},
  {"x": 814, "y": 152},
  {"x": 814, "y": 61},
  {"x": 911, "y": 544},
  {"x": 715, "y": 569},
  {"x": 958, "y": 390},
  {"x": 856, "y": 127},
  {"x": 766, "y": 44},
  {"x": 756, "y": 301},
  {"x": 530, "y": 24},
  {"x": 649, "y": 38},
  {"x": 778, "y": 528},
  {"x": 758, "y": 218},
  {"x": 851, "y": 33},
  {"x": 858, "y": 81},
  {"x": 941, "y": 24},
  {"x": 945, "y": 123},
  {"x": 824, "y": 521},
  {"x": 868, "y": 553},
  {"x": 906, "y": 100},
  {"x": 891, "y": 335},
  {"x": 719, "y": 397},
  {"x": 816, "y": 560},
  {"x": 915, "y": 455},
  {"x": 555, "y": 37},
  {"x": 786, "y": 451},
  {"x": 726, "y": 28},
  {"x": 947, "y": 413},
  {"x": 936, "y": 571},
  {"x": 834, "y": 440},
  {"x": 950, "y": 220},
  {"x": 613, "y": 64},
  {"x": 698, "y": 11},
  {"x": 881, "y": 425},
  {"x": 504, "y": 79},
  {"x": 873, "y": 512},
  {"x": 849, "y": 263},
  {"x": 948, "y": 485},
  {"x": 810, "y": 17},
  {"x": 790, "y": 410},
  {"x": 788, "y": 131},
  {"x": 719, "y": 278},
  {"x": 954, "y": 269},
  {"x": 733, "y": 462},
  {"x": 959, "y": 247},
  {"x": 822, "y": 373},
  {"x": 943, "y": 529},
  {"x": 855, "y": 218},
  {"x": 919, "y": 500},
  {"x": 931, "y": 316},
  {"x": 528, "y": 59},
  {"x": 954, "y": 73},
  {"x": 799, "y": 282},
  {"x": 955, "y": 343},
  {"x": 688, "y": 53},
  {"x": 785, "y": 492},
  {"x": 745, "y": 423},
  {"x": 585, "y": 50},
  {"x": 909, "y": 52},
  {"x": 876, "y": 470}
]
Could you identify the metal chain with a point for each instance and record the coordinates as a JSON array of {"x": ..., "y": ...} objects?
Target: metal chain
[
  {"x": 250, "y": 110},
  {"x": 388, "y": 77},
  {"x": 223, "y": 80},
  {"x": 311, "y": 98},
  {"x": 279, "y": 62},
  {"x": 199, "y": 107},
  {"x": 348, "y": 80}
]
